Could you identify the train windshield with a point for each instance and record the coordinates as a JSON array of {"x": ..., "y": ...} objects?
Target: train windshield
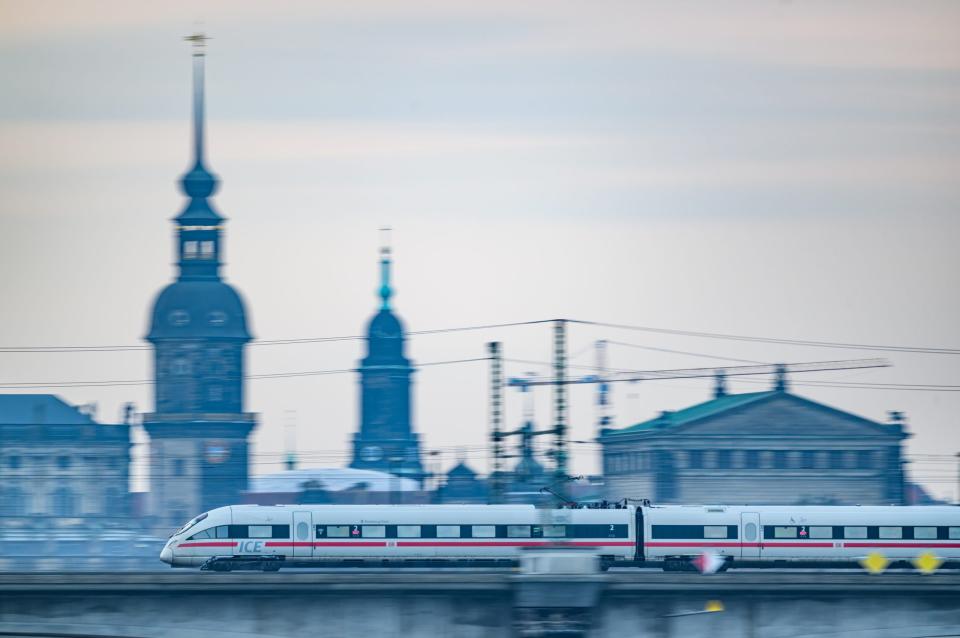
[{"x": 190, "y": 524}]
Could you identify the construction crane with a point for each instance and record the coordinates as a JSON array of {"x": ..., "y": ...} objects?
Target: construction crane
[{"x": 780, "y": 369}]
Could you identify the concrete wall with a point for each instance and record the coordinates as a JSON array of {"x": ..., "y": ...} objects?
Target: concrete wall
[{"x": 341, "y": 604}]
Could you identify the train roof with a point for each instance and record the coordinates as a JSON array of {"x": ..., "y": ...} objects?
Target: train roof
[{"x": 411, "y": 506}]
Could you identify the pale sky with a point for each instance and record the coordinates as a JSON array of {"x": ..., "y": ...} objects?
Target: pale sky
[{"x": 781, "y": 169}]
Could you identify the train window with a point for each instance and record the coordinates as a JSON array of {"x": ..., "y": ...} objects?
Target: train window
[
  {"x": 953, "y": 533},
  {"x": 484, "y": 531},
  {"x": 374, "y": 531},
  {"x": 891, "y": 532},
  {"x": 260, "y": 531},
  {"x": 924, "y": 532},
  {"x": 784, "y": 532},
  {"x": 821, "y": 532},
  {"x": 714, "y": 531},
  {"x": 448, "y": 531},
  {"x": 518, "y": 531},
  {"x": 672, "y": 531},
  {"x": 750, "y": 532},
  {"x": 192, "y": 523},
  {"x": 554, "y": 531},
  {"x": 222, "y": 531},
  {"x": 303, "y": 531},
  {"x": 207, "y": 533},
  {"x": 620, "y": 531},
  {"x": 854, "y": 532},
  {"x": 335, "y": 531},
  {"x": 408, "y": 531}
]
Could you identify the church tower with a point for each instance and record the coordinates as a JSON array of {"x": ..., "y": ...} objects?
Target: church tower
[
  {"x": 198, "y": 328},
  {"x": 386, "y": 440}
]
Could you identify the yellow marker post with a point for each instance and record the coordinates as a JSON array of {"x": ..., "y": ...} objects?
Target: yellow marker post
[
  {"x": 927, "y": 563},
  {"x": 713, "y": 605},
  {"x": 875, "y": 563}
]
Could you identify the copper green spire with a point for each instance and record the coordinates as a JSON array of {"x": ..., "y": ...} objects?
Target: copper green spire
[{"x": 385, "y": 290}]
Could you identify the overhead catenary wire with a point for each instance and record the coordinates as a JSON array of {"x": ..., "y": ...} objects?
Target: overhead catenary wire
[
  {"x": 605, "y": 324},
  {"x": 22, "y": 385},
  {"x": 685, "y": 352},
  {"x": 781, "y": 341},
  {"x": 265, "y": 342},
  {"x": 627, "y": 375}
]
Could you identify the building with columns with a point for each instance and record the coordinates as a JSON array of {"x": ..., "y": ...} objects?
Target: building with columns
[
  {"x": 59, "y": 467},
  {"x": 771, "y": 447},
  {"x": 198, "y": 329},
  {"x": 386, "y": 440}
]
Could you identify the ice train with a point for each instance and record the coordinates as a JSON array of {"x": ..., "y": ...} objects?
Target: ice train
[{"x": 270, "y": 537}]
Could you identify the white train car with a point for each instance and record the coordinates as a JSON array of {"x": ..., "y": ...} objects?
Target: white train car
[
  {"x": 799, "y": 533},
  {"x": 270, "y": 536}
]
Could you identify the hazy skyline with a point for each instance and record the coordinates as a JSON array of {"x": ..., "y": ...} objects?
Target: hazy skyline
[{"x": 783, "y": 169}]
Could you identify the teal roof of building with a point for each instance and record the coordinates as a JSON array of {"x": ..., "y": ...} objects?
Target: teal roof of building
[{"x": 695, "y": 412}]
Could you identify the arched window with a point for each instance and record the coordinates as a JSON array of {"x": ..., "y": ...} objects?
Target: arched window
[{"x": 64, "y": 502}]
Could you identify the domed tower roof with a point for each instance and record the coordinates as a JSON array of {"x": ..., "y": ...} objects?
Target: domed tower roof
[{"x": 198, "y": 310}]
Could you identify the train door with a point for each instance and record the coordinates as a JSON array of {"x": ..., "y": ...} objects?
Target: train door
[
  {"x": 749, "y": 535},
  {"x": 302, "y": 534}
]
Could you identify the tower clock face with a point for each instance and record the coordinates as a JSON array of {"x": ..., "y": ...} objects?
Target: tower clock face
[
  {"x": 371, "y": 453},
  {"x": 216, "y": 451}
]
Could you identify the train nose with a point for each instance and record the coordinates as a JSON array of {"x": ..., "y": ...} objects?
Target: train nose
[{"x": 167, "y": 555}]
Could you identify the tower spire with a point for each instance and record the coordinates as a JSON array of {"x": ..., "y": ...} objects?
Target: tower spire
[
  {"x": 385, "y": 290},
  {"x": 199, "y": 42},
  {"x": 199, "y": 225},
  {"x": 198, "y": 183}
]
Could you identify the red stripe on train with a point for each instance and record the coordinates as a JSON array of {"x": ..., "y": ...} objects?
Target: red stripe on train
[
  {"x": 698, "y": 544},
  {"x": 328, "y": 544},
  {"x": 512, "y": 544},
  {"x": 912, "y": 545},
  {"x": 732, "y": 544},
  {"x": 802, "y": 544},
  {"x": 210, "y": 544}
]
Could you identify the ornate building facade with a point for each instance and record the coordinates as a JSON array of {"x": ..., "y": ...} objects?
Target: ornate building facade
[
  {"x": 769, "y": 447},
  {"x": 386, "y": 440},
  {"x": 59, "y": 468},
  {"x": 198, "y": 328}
]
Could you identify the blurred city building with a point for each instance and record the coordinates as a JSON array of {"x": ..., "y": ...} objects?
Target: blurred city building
[
  {"x": 771, "y": 447},
  {"x": 59, "y": 465},
  {"x": 462, "y": 485},
  {"x": 386, "y": 441},
  {"x": 63, "y": 485},
  {"x": 198, "y": 329},
  {"x": 334, "y": 485}
]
